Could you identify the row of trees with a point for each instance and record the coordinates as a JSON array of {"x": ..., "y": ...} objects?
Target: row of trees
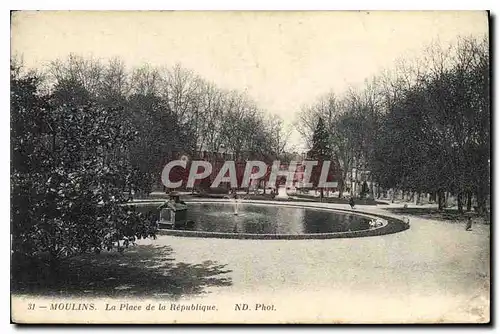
[
  {"x": 84, "y": 132},
  {"x": 173, "y": 110},
  {"x": 422, "y": 127}
]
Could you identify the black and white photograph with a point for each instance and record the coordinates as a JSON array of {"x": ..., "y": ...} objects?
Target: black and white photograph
[{"x": 250, "y": 167}]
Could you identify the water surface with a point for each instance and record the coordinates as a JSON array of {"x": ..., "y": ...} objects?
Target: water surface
[{"x": 266, "y": 219}]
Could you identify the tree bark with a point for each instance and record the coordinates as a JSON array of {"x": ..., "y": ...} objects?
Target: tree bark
[
  {"x": 469, "y": 201},
  {"x": 440, "y": 199},
  {"x": 460, "y": 203},
  {"x": 481, "y": 202},
  {"x": 54, "y": 262},
  {"x": 355, "y": 182}
]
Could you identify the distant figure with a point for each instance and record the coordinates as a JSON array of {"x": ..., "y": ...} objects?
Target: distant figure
[
  {"x": 351, "y": 202},
  {"x": 468, "y": 227}
]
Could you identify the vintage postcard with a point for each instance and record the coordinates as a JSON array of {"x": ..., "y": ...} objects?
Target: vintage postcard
[{"x": 306, "y": 167}]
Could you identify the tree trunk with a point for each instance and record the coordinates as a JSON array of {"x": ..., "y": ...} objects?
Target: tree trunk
[
  {"x": 460, "y": 203},
  {"x": 481, "y": 202},
  {"x": 440, "y": 199},
  {"x": 355, "y": 186},
  {"x": 469, "y": 201},
  {"x": 54, "y": 263}
]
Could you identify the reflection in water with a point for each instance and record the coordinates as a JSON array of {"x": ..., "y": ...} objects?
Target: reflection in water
[
  {"x": 290, "y": 221},
  {"x": 318, "y": 222},
  {"x": 268, "y": 219}
]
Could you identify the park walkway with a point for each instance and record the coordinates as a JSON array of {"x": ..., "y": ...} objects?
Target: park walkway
[{"x": 435, "y": 271}]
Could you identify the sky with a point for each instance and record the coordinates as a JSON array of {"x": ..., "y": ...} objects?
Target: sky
[{"x": 283, "y": 60}]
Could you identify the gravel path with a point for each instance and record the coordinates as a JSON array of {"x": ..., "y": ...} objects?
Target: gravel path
[{"x": 433, "y": 272}]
